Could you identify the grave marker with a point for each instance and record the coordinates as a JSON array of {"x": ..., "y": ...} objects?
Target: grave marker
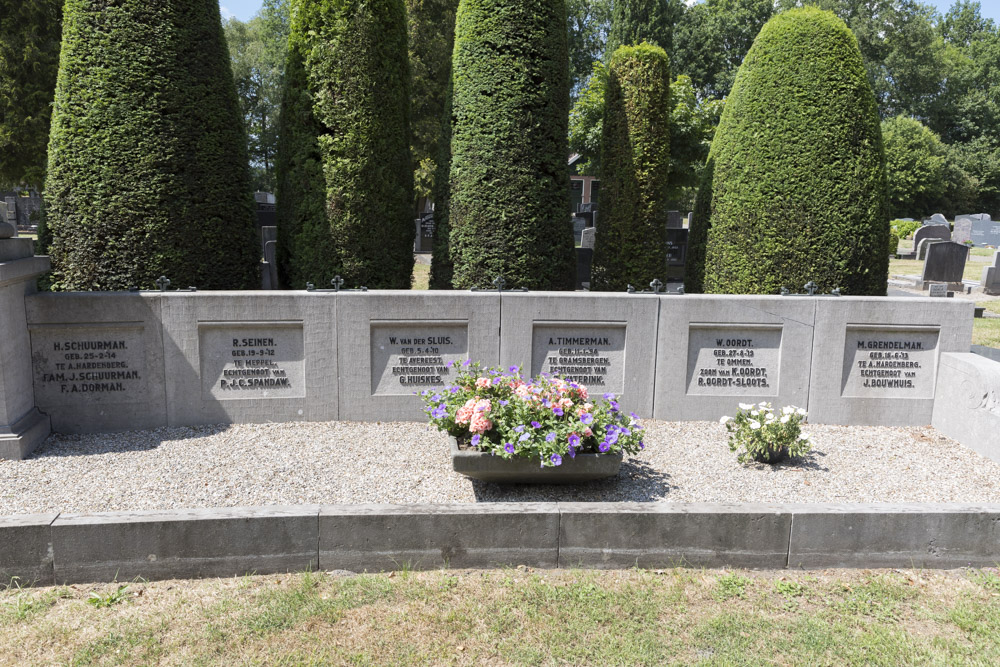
[{"x": 945, "y": 263}]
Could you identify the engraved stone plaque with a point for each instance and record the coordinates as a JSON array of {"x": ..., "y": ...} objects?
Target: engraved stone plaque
[
  {"x": 414, "y": 355},
  {"x": 889, "y": 362},
  {"x": 733, "y": 360},
  {"x": 588, "y": 353},
  {"x": 88, "y": 364},
  {"x": 244, "y": 360}
]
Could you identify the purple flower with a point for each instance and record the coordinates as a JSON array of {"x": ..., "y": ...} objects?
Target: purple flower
[
  {"x": 535, "y": 425},
  {"x": 574, "y": 440},
  {"x": 467, "y": 362},
  {"x": 611, "y": 438},
  {"x": 454, "y": 390},
  {"x": 440, "y": 412},
  {"x": 556, "y": 459},
  {"x": 625, "y": 431},
  {"x": 475, "y": 440},
  {"x": 614, "y": 406},
  {"x": 546, "y": 403},
  {"x": 514, "y": 369},
  {"x": 572, "y": 453},
  {"x": 437, "y": 398},
  {"x": 519, "y": 428},
  {"x": 633, "y": 415},
  {"x": 504, "y": 403},
  {"x": 557, "y": 411},
  {"x": 450, "y": 364},
  {"x": 508, "y": 447},
  {"x": 609, "y": 396},
  {"x": 497, "y": 380},
  {"x": 604, "y": 446},
  {"x": 641, "y": 445},
  {"x": 524, "y": 436},
  {"x": 587, "y": 418},
  {"x": 550, "y": 437}
]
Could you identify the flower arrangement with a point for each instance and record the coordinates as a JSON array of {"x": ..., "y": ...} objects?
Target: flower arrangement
[
  {"x": 545, "y": 418},
  {"x": 761, "y": 435}
]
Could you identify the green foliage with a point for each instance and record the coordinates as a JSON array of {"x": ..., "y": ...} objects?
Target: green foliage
[
  {"x": 914, "y": 164},
  {"x": 109, "y": 600},
  {"x": 509, "y": 178},
  {"x": 345, "y": 182},
  {"x": 442, "y": 268},
  {"x": 731, "y": 585},
  {"x": 893, "y": 243},
  {"x": 904, "y": 228},
  {"x": 795, "y": 190},
  {"x": 637, "y": 21},
  {"x": 635, "y": 164},
  {"x": 712, "y": 38},
  {"x": 147, "y": 171},
  {"x": 29, "y": 61},
  {"x": 586, "y": 121},
  {"x": 757, "y": 433},
  {"x": 257, "y": 49},
  {"x": 587, "y": 24}
]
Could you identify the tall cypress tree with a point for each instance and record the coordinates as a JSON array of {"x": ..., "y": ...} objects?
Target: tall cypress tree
[
  {"x": 148, "y": 171},
  {"x": 509, "y": 179},
  {"x": 637, "y": 21},
  {"x": 631, "y": 246},
  {"x": 795, "y": 189},
  {"x": 345, "y": 183}
]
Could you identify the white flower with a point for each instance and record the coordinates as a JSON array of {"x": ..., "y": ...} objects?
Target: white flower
[
  {"x": 724, "y": 419},
  {"x": 769, "y": 417},
  {"x": 788, "y": 409},
  {"x": 746, "y": 406},
  {"x": 754, "y": 424},
  {"x": 762, "y": 404},
  {"x": 754, "y": 413},
  {"x": 784, "y": 419},
  {"x": 801, "y": 411},
  {"x": 803, "y": 436}
]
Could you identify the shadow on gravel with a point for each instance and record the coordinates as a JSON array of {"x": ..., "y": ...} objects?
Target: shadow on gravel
[
  {"x": 636, "y": 482},
  {"x": 94, "y": 444}
]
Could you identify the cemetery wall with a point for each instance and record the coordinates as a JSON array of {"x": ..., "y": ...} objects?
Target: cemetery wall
[{"x": 115, "y": 361}]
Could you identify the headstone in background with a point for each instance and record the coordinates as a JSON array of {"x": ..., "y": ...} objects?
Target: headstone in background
[
  {"x": 579, "y": 224},
  {"x": 936, "y": 219},
  {"x": 589, "y": 207},
  {"x": 267, "y": 212},
  {"x": 587, "y": 217},
  {"x": 690, "y": 218},
  {"x": 588, "y": 237},
  {"x": 931, "y": 232},
  {"x": 584, "y": 261},
  {"x": 269, "y": 267},
  {"x": 7, "y": 230},
  {"x": 945, "y": 264},
  {"x": 926, "y": 243},
  {"x": 985, "y": 232},
  {"x": 677, "y": 240},
  {"x": 674, "y": 220},
  {"x": 963, "y": 229},
  {"x": 11, "y": 205},
  {"x": 991, "y": 276},
  {"x": 424, "y": 239}
]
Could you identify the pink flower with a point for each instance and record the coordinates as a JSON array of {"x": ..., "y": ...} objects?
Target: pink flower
[
  {"x": 464, "y": 413},
  {"x": 480, "y": 424},
  {"x": 587, "y": 432},
  {"x": 582, "y": 391},
  {"x": 482, "y": 383}
]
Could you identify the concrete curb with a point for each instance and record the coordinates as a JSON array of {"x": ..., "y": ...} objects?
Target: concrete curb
[{"x": 120, "y": 546}]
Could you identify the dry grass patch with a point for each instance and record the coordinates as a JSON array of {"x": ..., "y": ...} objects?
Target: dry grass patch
[{"x": 516, "y": 617}]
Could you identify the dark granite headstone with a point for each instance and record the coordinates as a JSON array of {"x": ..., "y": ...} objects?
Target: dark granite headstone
[
  {"x": 424, "y": 241},
  {"x": 677, "y": 240},
  {"x": 931, "y": 232},
  {"x": 579, "y": 224},
  {"x": 674, "y": 220},
  {"x": 584, "y": 260},
  {"x": 589, "y": 207},
  {"x": 926, "y": 243},
  {"x": 945, "y": 263}
]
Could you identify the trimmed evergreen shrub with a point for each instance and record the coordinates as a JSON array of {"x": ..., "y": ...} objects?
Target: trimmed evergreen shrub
[
  {"x": 148, "y": 171},
  {"x": 893, "y": 243},
  {"x": 796, "y": 188},
  {"x": 345, "y": 183},
  {"x": 631, "y": 245},
  {"x": 510, "y": 211},
  {"x": 442, "y": 267}
]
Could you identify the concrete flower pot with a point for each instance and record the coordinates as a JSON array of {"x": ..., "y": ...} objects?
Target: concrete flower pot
[{"x": 489, "y": 468}]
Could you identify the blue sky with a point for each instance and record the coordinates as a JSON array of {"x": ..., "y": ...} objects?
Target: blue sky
[{"x": 244, "y": 9}]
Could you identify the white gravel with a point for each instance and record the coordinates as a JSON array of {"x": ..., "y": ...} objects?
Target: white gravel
[{"x": 350, "y": 462}]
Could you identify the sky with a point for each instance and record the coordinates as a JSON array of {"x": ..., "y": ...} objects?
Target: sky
[{"x": 245, "y": 9}]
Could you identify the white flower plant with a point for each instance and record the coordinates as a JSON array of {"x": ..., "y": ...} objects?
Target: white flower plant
[{"x": 759, "y": 434}]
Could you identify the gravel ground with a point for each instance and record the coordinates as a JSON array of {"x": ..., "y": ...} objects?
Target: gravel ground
[{"x": 351, "y": 462}]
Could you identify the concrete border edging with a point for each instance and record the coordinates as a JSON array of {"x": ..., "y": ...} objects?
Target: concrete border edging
[{"x": 120, "y": 546}]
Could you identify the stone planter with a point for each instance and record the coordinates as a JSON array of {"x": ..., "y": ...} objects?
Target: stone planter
[{"x": 490, "y": 468}]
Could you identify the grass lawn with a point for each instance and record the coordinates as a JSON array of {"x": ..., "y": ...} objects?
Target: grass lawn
[
  {"x": 682, "y": 616},
  {"x": 421, "y": 276},
  {"x": 914, "y": 267}
]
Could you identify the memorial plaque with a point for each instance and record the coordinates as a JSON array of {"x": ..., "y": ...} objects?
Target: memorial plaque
[
  {"x": 84, "y": 364},
  {"x": 889, "y": 362},
  {"x": 733, "y": 360},
  {"x": 413, "y": 356},
  {"x": 246, "y": 360},
  {"x": 591, "y": 354},
  {"x": 985, "y": 233}
]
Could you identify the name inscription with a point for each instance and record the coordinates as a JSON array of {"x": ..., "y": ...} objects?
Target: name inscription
[
  {"x": 589, "y": 354},
  {"x": 254, "y": 360},
  {"x": 408, "y": 357},
  {"x": 733, "y": 360},
  {"x": 88, "y": 364},
  {"x": 889, "y": 363}
]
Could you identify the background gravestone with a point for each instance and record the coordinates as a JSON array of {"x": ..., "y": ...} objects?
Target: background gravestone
[
  {"x": 936, "y": 219},
  {"x": 926, "y": 243},
  {"x": 945, "y": 263},
  {"x": 991, "y": 276},
  {"x": 674, "y": 220},
  {"x": 963, "y": 229},
  {"x": 579, "y": 224},
  {"x": 677, "y": 240},
  {"x": 588, "y": 237},
  {"x": 985, "y": 232},
  {"x": 931, "y": 232}
]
